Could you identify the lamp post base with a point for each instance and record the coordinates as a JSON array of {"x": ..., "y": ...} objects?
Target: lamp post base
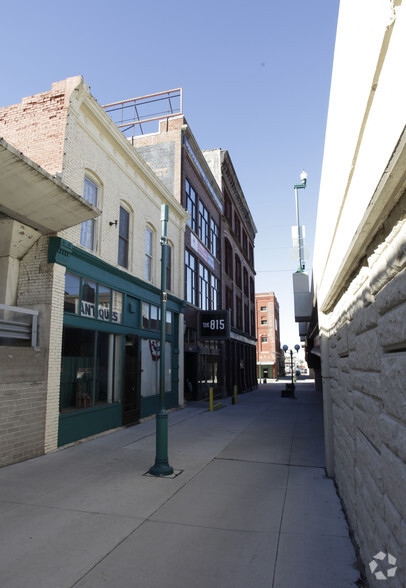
[
  {"x": 161, "y": 469},
  {"x": 161, "y": 466}
]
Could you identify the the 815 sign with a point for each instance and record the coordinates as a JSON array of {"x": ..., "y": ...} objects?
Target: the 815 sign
[{"x": 214, "y": 324}]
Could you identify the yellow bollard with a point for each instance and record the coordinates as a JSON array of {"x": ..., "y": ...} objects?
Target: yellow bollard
[
  {"x": 235, "y": 394},
  {"x": 211, "y": 405}
]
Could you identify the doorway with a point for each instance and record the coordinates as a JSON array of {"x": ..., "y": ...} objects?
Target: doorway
[
  {"x": 190, "y": 376},
  {"x": 131, "y": 381}
]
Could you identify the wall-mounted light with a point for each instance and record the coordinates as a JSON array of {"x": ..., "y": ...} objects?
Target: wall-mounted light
[{"x": 111, "y": 223}]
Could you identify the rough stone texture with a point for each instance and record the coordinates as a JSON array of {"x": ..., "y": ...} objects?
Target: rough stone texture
[{"x": 367, "y": 353}]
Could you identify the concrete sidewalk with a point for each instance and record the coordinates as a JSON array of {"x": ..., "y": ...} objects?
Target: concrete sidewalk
[{"x": 251, "y": 506}]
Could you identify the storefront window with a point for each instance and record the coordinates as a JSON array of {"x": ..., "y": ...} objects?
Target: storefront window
[
  {"x": 88, "y": 298},
  {"x": 145, "y": 315},
  {"x": 85, "y": 299},
  {"x": 151, "y": 316},
  {"x": 154, "y": 323},
  {"x": 168, "y": 322},
  {"x": 91, "y": 369},
  {"x": 117, "y": 314},
  {"x": 72, "y": 291},
  {"x": 104, "y": 303},
  {"x": 150, "y": 373},
  {"x": 105, "y": 345}
]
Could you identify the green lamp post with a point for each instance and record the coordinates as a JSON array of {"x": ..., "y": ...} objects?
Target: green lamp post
[
  {"x": 303, "y": 177},
  {"x": 161, "y": 466}
]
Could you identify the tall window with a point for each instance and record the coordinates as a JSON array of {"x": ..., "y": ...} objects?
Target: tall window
[
  {"x": 237, "y": 227},
  {"x": 238, "y": 271},
  {"x": 91, "y": 369},
  {"x": 244, "y": 242},
  {"x": 228, "y": 258},
  {"x": 246, "y": 318},
  {"x": 252, "y": 322},
  {"x": 252, "y": 290},
  {"x": 214, "y": 239},
  {"x": 228, "y": 209},
  {"x": 230, "y": 303},
  {"x": 238, "y": 312},
  {"x": 204, "y": 235},
  {"x": 251, "y": 254},
  {"x": 190, "y": 278},
  {"x": 191, "y": 206},
  {"x": 214, "y": 292},
  {"x": 88, "y": 230},
  {"x": 204, "y": 288},
  {"x": 123, "y": 237},
  {"x": 245, "y": 281},
  {"x": 148, "y": 254}
]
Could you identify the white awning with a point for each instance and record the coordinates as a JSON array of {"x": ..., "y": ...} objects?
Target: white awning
[{"x": 32, "y": 196}]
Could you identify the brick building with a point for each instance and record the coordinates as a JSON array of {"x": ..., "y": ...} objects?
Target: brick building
[
  {"x": 206, "y": 185},
  {"x": 96, "y": 284},
  {"x": 359, "y": 271},
  {"x": 269, "y": 360},
  {"x": 238, "y": 232},
  {"x": 32, "y": 204},
  {"x": 175, "y": 156}
]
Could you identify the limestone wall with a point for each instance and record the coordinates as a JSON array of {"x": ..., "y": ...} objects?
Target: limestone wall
[{"x": 367, "y": 387}]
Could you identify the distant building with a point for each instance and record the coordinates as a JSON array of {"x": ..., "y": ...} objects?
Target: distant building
[
  {"x": 358, "y": 327},
  {"x": 238, "y": 232},
  {"x": 270, "y": 361},
  {"x": 96, "y": 284},
  {"x": 218, "y": 257}
]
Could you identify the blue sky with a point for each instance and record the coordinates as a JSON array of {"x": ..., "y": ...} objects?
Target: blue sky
[{"x": 255, "y": 78}]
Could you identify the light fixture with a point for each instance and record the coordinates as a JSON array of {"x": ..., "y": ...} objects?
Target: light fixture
[
  {"x": 303, "y": 177},
  {"x": 111, "y": 223}
]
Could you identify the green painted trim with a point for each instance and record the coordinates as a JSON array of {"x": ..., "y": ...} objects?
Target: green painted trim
[
  {"x": 85, "y": 264},
  {"x": 150, "y": 404},
  {"x": 74, "y": 426},
  {"x": 80, "y": 322}
]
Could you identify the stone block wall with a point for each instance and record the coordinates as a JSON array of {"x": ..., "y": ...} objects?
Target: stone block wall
[{"x": 367, "y": 362}]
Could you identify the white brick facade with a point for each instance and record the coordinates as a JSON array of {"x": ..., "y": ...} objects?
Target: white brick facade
[{"x": 69, "y": 134}]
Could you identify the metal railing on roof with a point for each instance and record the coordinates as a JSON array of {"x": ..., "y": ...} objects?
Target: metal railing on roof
[
  {"x": 133, "y": 113},
  {"x": 18, "y": 327}
]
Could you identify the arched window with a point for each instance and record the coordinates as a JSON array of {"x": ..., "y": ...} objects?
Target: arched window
[{"x": 88, "y": 229}]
